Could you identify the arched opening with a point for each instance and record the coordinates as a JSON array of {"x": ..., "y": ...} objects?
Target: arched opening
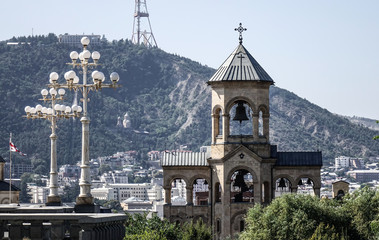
[
  {"x": 305, "y": 186},
  {"x": 200, "y": 192},
  {"x": 178, "y": 192},
  {"x": 340, "y": 194},
  {"x": 242, "y": 225},
  {"x": 218, "y": 226},
  {"x": 241, "y": 121},
  {"x": 282, "y": 186},
  {"x": 242, "y": 187},
  {"x": 260, "y": 124},
  {"x": 219, "y": 123},
  {"x": 217, "y": 192}
]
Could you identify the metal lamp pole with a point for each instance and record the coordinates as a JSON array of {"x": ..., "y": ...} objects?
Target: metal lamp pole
[
  {"x": 84, "y": 201},
  {"x": 52, "y": 114}
]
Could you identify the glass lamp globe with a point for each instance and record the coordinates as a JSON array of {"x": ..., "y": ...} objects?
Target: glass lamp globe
[
  {"x": 57, "y": 107},
  {"x": 74, "y": 108},
  {"x": 95, "y": 55},
  {"x": 114, "y": 77},
  {"x": 27, "y": 109},
  {"x": 44, "y": 110},
  {"x": 53, "y": 92},
  {"x": 33, "y": 110},
  {"x": 86, "y": 54},
  {"x": 50, "y": 111},
  {"x": 53, "y": 77},
  {"x": 39, "y": 108},
  {"x": 71, "y": 74},
  {"x": 85, "y": 41},
  {"x": 67, "y": 109},
  {"x": 61, "y": 91},
  {"x": 44, "y": 92},
  {"x": 76, "y": 80},
  {"x": 79, "y": 109},
  {"x": 81, "y": 56},
  {"x": 74, "y": 55}
]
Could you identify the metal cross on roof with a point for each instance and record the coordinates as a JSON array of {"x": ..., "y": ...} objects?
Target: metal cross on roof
[{"x": 240, "y": 29}]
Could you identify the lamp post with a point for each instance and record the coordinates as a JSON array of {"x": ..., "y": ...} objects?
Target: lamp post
[
  {"x": 84, "y": 202},
  {"x": 52, "y": 114}
]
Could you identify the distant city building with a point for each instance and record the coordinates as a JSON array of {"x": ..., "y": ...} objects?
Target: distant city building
[
  {"x": 74, "y": 40},
  {"x": 18, "y": 169},
  {"x": 364, "y": 175},
  {"x": 69, "y": 171},
  {"x": 342, "y": 162},
  {"x": 357, "y": 163},
  {"x": 123, "y": 191}
]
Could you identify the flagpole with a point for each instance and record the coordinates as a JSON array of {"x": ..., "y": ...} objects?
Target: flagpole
[{"x": 10, "y": 170}]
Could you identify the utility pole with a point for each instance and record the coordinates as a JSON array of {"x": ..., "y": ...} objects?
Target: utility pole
[{"x": 142, "y": 34}]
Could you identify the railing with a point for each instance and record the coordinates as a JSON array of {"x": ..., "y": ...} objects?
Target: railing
[{"x": 62, "y": 226}]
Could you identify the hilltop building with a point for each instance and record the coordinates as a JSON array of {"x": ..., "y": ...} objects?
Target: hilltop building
[{"x": 242, "y": 167}]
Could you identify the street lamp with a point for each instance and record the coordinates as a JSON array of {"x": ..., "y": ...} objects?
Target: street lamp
[
  {"x": 81, "y": 61},
  {"x": 52, "y": 114}
]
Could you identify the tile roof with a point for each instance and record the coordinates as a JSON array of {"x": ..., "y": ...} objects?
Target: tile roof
[
  {"x": 184, "y": 159},
  {"x": 299, "y": 159},
  {"x": 240, "y": 66}
]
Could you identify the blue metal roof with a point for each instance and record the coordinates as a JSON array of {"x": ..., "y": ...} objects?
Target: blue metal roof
[
  {"x": 240, "y": 66},
  {"x": 299, "y": 159}
]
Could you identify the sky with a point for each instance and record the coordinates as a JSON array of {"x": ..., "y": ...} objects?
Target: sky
[{"x": 324, "y": 51}]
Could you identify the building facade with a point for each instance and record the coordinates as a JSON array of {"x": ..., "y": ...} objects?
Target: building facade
[{"x": 242, "y": 167}]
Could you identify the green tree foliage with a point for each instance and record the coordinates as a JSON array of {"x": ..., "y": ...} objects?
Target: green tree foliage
[
  {"x": 140, "y": 227},
  {"x": 70, "y": 193},
  {"x": 104, "y": 169},
  {"x": 305, "y": 217}
]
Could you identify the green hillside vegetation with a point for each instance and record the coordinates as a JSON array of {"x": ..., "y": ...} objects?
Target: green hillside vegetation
[{"x": 165, "y": 95}]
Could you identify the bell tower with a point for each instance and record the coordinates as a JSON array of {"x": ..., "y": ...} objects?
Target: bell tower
[
  {"x": 240, "y": 159},
  {"x": 240, "y": 103}
]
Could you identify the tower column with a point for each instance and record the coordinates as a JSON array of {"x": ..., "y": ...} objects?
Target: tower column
[
  {"x": 266, "y": 127},
  {"x": 255, "y": 126},
  {"x": 215, "y": 127},
  {"x": 225, "y": 126}
]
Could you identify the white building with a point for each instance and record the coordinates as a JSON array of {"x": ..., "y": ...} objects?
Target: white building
[
  {"x": 104, "y": 193},
  {"x": 342, "y": 162},
  {"x": 123, "y": 191}
]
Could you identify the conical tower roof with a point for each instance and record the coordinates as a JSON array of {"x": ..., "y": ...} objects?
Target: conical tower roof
[{"x": 240, "y": 66}]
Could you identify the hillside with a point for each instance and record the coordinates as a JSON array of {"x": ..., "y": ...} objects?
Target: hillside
[{"x": 164, "y": 94}]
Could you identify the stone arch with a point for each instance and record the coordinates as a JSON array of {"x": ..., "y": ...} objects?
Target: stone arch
[
  {"x": 312, "y": 178},
  {"x": 235, "y": 221},
  {"x": 177, "y": 196},
  {"x": 292, "y": 181},
  {"x": 232, "y": 102},
  {"x": 264, "y": 109},
  {"x": 170, "y": 179},
  {"x": 5, "y": 200},
  {"x": 216, "y": 109},
  {"x": 231, "y": 172},
  {"x": 243, "y": 186},
  {"x": 192, "y": 179},
  {"x": 199, "y": 194}
]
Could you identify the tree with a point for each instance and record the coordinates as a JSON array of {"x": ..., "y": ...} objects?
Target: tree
[
  {"x": 296, "y": 216},
  {"x": 376, "y": 137},
  {"x": 70, "y": 193},
  {"x": 140, "y": 227},
  {"x": 104, "y": 169}
]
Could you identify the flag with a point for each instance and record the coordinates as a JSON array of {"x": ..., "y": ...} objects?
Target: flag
[{"x": 13, "y": 148}]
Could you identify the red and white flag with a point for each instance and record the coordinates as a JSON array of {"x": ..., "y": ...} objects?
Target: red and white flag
[{"x": 13, "y": 148}]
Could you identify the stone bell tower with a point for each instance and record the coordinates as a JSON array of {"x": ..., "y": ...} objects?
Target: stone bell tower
[{"x": 240, "y": 152}]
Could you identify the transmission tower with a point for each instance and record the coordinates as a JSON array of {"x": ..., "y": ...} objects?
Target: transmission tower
[{"x": 142, "y": 35}]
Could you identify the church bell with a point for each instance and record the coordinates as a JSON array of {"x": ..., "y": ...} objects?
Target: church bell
[
  {"x": 240, "y": 182},
  {"x": 282, "y": 183},
  {"x": 240, "y": 113}
]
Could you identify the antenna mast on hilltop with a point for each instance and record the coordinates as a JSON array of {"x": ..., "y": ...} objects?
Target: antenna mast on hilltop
[{"x": 142, "y": 36}]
